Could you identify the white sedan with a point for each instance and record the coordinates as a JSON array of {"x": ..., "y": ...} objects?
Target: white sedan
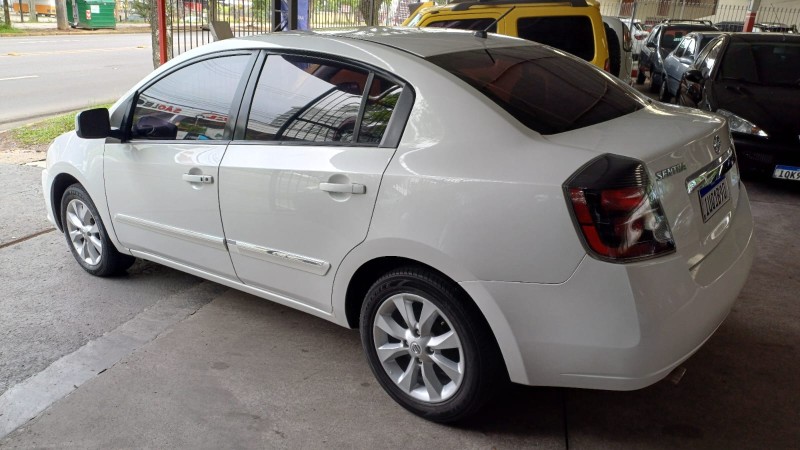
[{"x": 482, "y": 208}]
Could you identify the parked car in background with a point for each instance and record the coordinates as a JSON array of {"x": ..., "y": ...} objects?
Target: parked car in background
[
  {"x": 620, "y": 49},
  {"x": 663, "y": 39},
  {"x": 477, "y": 207},
  {"x": 753, "y": 79},
  {"x": 774, "y": 27},
  {"x": 639, "y": 35},
  {"x": 730, "y": 26},
  {"x": 676, "y": 63},
  {"x": 576, "y": 27}
]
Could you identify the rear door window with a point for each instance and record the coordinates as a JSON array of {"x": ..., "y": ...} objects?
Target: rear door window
[
  {"x": 305, "y": 100},
  {"x": 545, "y": 91},
  {"x": 573, "y": 34}
]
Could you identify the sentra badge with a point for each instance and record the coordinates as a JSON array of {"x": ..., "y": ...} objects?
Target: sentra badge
[{"x": 670, "y": 171}]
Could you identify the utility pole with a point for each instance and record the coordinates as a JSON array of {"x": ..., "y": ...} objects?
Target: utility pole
[{"x": 61, "y": 15}]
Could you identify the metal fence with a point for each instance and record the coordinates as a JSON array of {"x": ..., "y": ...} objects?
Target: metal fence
[
  {"x": 654, "y": 11},
  {"x": 188, "y": 20}
]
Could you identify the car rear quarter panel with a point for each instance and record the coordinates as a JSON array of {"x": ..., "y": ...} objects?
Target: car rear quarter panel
[{"x": 474, "y": 184}]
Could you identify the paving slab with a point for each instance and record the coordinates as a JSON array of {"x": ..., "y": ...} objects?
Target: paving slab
[
  {"x": 246, "y": 373},
  {"x": 741, "y": 389},
  {"x": 22, "y": 210}
]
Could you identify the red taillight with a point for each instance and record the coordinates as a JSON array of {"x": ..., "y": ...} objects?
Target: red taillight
[
  {"x": 639, "y": 37},
  {"x": 616, "y": 212}
]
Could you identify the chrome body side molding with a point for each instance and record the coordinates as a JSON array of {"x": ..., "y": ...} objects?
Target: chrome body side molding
[
  {"x": 263, "y": 293},
  {"x": 295, "y": 261},
  {"x": 180, "y": 233}
]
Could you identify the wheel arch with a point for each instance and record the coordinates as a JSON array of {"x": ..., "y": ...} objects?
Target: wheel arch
[
  {"x": 60, "y": 184},
  {"x": 365, "y": 264}
]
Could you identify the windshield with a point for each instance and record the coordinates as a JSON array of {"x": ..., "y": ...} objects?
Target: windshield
[
  {"x": 766, "y": 63},
  {"x": 547, "y": 92}
]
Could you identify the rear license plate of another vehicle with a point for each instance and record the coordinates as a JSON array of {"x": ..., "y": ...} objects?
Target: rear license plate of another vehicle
[
  {"x": 713, "y": 196},
  {"x": 786, "y": 173}
]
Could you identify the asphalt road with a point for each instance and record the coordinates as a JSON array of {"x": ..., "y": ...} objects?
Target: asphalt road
[{"x": 45, "y": 75}]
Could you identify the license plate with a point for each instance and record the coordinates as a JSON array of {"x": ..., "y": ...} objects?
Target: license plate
[
  {"x": 713, "y": 196},
  {"x": 787, "y": 173}
]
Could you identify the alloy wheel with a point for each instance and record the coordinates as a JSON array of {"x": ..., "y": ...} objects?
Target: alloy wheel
[
  {"x": 418, "y": 348},
  {"x": 84, "y": 232}
]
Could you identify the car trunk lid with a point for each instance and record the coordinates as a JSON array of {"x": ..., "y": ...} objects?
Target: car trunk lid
[{"x": 690, "y": 163}]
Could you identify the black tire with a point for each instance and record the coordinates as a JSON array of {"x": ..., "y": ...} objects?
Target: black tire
[
  {"x": 483, "y": 370},
  {"x": 640, "y": 77},
  {"x": 108, "y": 261},
  {"x": 614, "y": 55},
  {"x": 663, "y": 91},
  {"x": 654, "y": 86}
]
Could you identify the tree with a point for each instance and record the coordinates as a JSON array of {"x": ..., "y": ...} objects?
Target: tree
[
  {"x": 370, "y": 11},
  {"x": 6, "y": 13},
  {"x": 142, "y": 8},
  {"x": 32, "y": 15},
  {"x": 61, "y": 15}
]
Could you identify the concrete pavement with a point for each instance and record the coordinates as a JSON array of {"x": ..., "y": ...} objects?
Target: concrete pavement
[{"x": 242, "y": 372}]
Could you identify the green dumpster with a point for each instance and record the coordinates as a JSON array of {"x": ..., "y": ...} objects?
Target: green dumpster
[{"x": 92, "y": 14}]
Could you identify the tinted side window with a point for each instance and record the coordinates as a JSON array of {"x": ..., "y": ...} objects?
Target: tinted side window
[
  {"x": 192, "y": 103},
  {"x": 466, "y": 24},
  {"x": 305, "y": 100},
  {"x": 682, "y": 48},
  {"x": 711, "y": 58},
  {"x": 573, "y": 34},
  {"x": 690, "y": 49},
  {"x": 381, "y": 100},
  {"x": 543, "y": 90}
]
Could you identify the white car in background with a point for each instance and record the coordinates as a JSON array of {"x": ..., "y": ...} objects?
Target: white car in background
[
  {"x": 639, "y": 34},
  {"x": 622, "y": 51},
  {"x": 481, "y": 208}
]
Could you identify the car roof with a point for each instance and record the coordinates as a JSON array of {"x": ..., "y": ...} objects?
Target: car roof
[
  {"x": 765, "y": 37},
  {"x": 422, "y": 42},
  {"x": 689, "y": 26}
]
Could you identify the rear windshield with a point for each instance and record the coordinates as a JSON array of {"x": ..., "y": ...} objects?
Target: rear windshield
[
  {"x": 547, "y": 92},
  {"x": 765, "y": 63},
  {"x": 573, "y": 34},
  {"x": 673, "y": 36}
]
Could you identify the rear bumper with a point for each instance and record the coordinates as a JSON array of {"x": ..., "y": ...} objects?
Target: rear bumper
[
  {"x": 761, "y": 155},
  {"x": 619, "y": 327}
]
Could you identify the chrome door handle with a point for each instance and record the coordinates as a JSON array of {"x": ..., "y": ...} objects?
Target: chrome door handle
[
  {"x": 343, "y": 188},
  {"x": 198, "y": 178}
]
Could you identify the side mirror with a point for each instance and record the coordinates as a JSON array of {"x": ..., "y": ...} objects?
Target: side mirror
[
  {"x": 151, "y": 127},
  {"x": 694, "y": 75},
  {"x": 651, "y": 45},
  {"x": 93, "y": 124}
]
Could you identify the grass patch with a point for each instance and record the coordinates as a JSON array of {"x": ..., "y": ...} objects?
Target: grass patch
[
  {"x": 8, "y": 29},
  {"x": 45, "y": 131}
]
